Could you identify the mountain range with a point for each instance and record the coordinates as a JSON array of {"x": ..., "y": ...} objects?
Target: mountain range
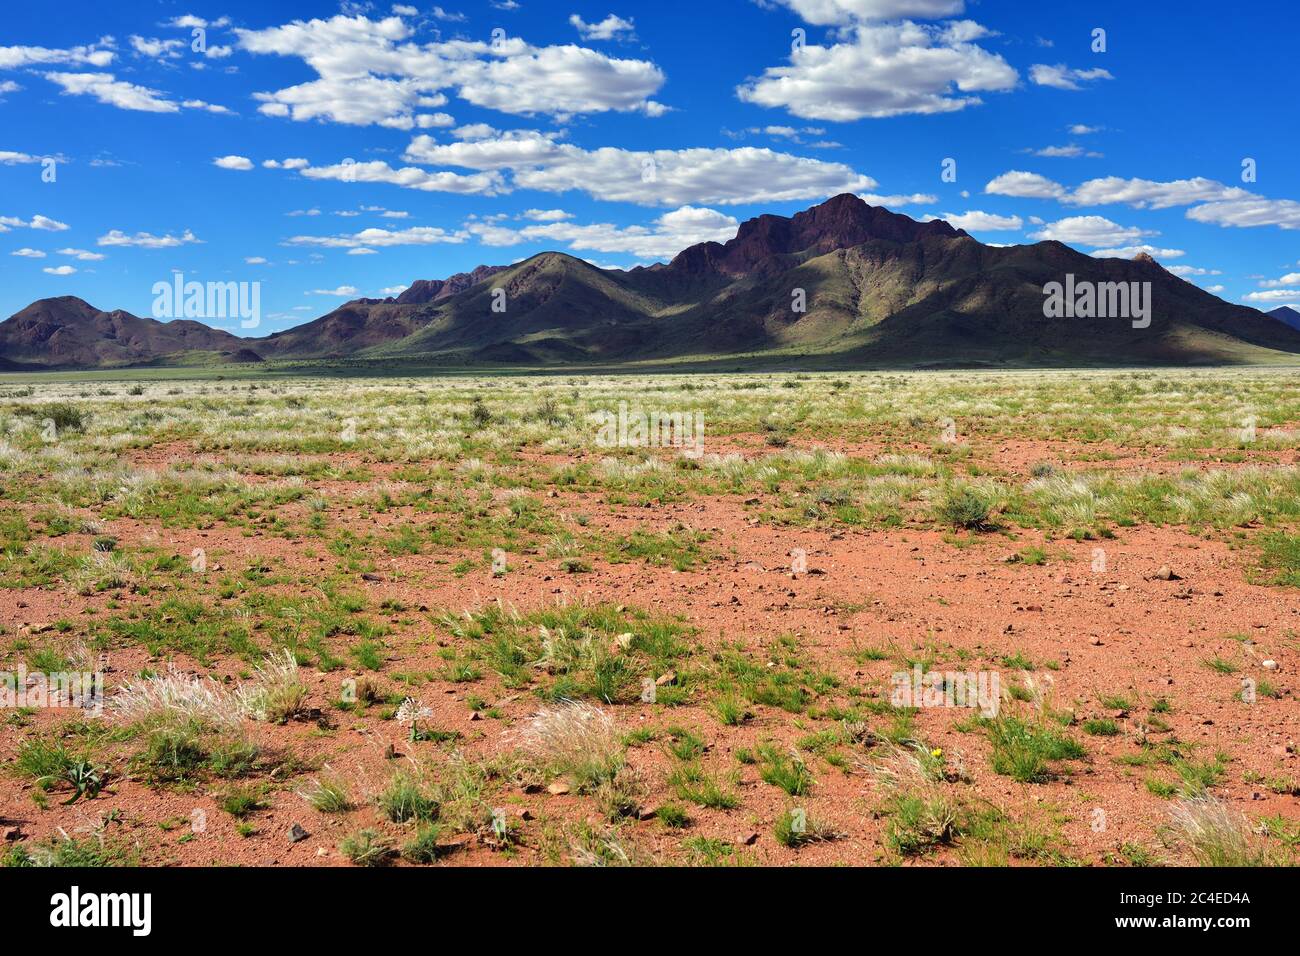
[
  {"x": 876, "y": 288},
  {"x": 1288, "y": 315}
]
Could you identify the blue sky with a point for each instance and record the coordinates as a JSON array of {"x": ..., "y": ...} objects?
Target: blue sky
[{"x": 333, "y": 150}]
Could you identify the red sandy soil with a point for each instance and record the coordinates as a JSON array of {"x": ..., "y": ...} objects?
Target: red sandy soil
[{"x": 1122, "y": 632}]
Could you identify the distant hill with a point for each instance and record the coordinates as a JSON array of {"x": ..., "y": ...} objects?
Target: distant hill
[
  {"x": 1288, "y": 315},
  {"x": 68, "y": 332},
  {"x": 877, "y": 288}
]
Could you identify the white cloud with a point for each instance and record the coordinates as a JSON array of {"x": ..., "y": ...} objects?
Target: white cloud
[
  {"x": 255, "y": 260},
  {"x": 28, "y": 253},
  {"x": 157, "y": 48},
  {"x": 1090, "y": 231},
  {"x": 1146, "y": 193},
  {"x": 886, "y": 69},
  {"x": 84, "y": 255},
  {"x": 1185, "y": 271},
  {"x": 369, "y": 73},
  {"x": 8, "y": 86},
  {"x": 201, "y": 105},
  {"x": 1024, "y": 186},
  {"x": 434, "y": 120},
  {"x": 44, "y": 223},
  {"x": 47, "y": 224},
  {"x": 414, "y": 236},
  {"x": 915, "y": 199},
  {"x": 667, "y": 236},
  {"x": 59, "y": 270},
  {"x": 189, "y": 21},
  {"x": 146, "y": 240},
  {"x": 409, "y": 177},
  {"x": 113, "y": 92},
  {"x": 1070, "y": 151},
  {"x": 608, "y": 29},
  {"x": 1062, "y": 77},
  {"x": 13, "y": 57},
  {"x": 11, "y": 158},
  {"x": 362, "y": 251},
  {"x": 233, "y": 162},
  {"x": 659, "y": 178},
  {"x": 1129, "y": 252},
  {"x": 1274, "y": 296},
  {"x": 1245, "y": 213},
  {"x": 1079, "y": 129},
  {"x": 285, "y": 164},
  {"x": 841, "y": 12},
  {"x": 546, "y": 215},
  {"x": 1290, "y": 279},
  {"x": 978, "y": 221},
  {"x": 343, "y": 290}
]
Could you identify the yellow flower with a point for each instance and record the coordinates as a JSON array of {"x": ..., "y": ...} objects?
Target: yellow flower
[{"x": 936, "y": 752}]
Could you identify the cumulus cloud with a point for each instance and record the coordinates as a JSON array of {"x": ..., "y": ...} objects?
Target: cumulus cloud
[
  {"x": 1090, "y": 231},
  {"x": 157, "y": 48},
  {"x": 146, "y": 240},
  {"x": 1222, "y": 204},
  {"x": 12, "y": 158},
  {"x": 914, "y": 199},
  {"x": 47, "y": 224},
  {"x": 285, "y": 164},
  {"x": 44, "y": 223},
  {"x": 414, "y": 236},
  {"x": 1245, "y": 213},
  {"x": 1272, "y": 297},
  {"x": 98, "y": 54},
  {"x": 1291, "y": 278},
  {"x": 841, "y": 12},
  {"x": 409, "y": 177},
  {"x": 343, "y": 290},
  {"x": 1024, "y": 185},
  {"x": 371, "y": 73},
  {"x": 547, "y": 215},
  {"x": 650, "y": 178},
  {"x": 668, "y": 235},
  {"x": 233, "y": 162},
  {"x": 107, "y": 89},
  {"x": 27, "y": 253},
  {"x": 885, "y": 69},
  {"x": 111, "y": 91},
  {"x": 1130, "y": 252},
  {"x": 59, "y": 270},
  {"x": 85, "y": 255},
  {"x": 1185, "y": 271},
  {"x": 1148, "y": 194},
  {"x": 608, "y": 29},
  {"x": 978, "y": 221},
  {"x": 1062, "y": 77}
]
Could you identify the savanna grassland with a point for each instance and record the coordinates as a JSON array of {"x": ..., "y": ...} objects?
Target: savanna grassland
[{"x": 434, "y": 622}]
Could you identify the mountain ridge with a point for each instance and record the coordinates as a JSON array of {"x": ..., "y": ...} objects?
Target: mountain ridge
[{"x": 842, "y": 281}]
